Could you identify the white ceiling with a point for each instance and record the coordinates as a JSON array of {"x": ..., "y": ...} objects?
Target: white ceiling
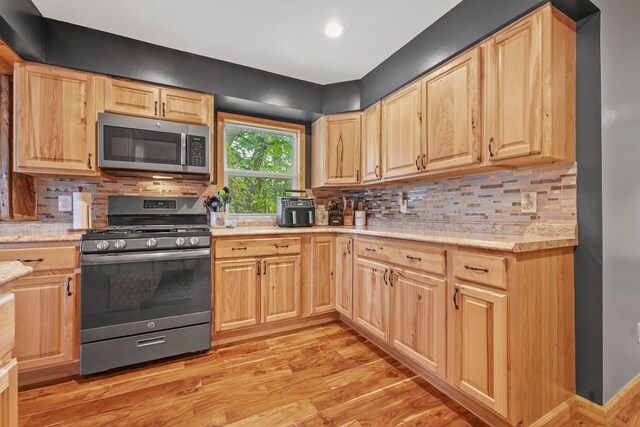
[{"x": 281, "y": 36}]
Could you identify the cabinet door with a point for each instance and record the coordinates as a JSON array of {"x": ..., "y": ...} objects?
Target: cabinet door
[
  {"x": 480, "y": 345},
  {"x": 452, "y": 116},
  {"x": 183, "y": 106},
  {"x": 514, "y": 90},
  {"x": 45, "y": 320},
  {"x": 344, "y": 275},
  {"x": 280, "y": 288},
  {"x": 9, "y": 394},
  {"x": 342, "y": 149},
  {"x": 131, "y": 98},
  {"x": 236, "y": 294},
  {"x": 371, "y": 299},
  {"x": 371, "y": 171},
  {"x": 55, "y": 121},
  {"x": 419, "y": 318},
  {"x": 323, "y": 267},
  {"x": 401, "y": 132}
]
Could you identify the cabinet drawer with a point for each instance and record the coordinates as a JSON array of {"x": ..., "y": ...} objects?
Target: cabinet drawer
[
  {"x": 417, "y": 257},
  {"x": 7, "y": 324},
  {"x": 489, "y": 270},
  {"x": 257, "y": 247},
  {"x": 40, "y": 259}
]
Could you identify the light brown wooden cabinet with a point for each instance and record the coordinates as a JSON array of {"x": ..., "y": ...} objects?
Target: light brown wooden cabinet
[
  {"x": 336, "y": 149},
  {"x": 55, "y": 121},
  {"x": 402, "y": 152},
  {"x": 452, "y": 124},
  {"x": 371, "y": 156},
  {"x": 280, "y": 288},
  {"x": 530, "y": 90},
  {"x": 146, "y": 100},
  {"x": 480, "y": 345},
  {"x": 323, "y": 274},
  {"x": 236, "y": 293},
  {"x": 45, "y": 320},
  {"x": 9, "y": 394},
  {"x": 344, "y": 276},
  {"x": 372, "y": 297}
]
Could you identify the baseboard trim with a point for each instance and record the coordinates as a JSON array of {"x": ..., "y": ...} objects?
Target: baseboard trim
[{"x": 558, "y": 416}]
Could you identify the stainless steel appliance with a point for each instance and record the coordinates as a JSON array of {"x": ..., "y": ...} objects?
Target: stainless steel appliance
[
  {"x": 146, "y": 283},
  {"x": 134, "y": 143},
  {"x": 295, "y": 211}
]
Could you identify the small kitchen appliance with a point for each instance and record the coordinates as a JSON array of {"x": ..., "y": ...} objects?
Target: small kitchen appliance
[{"x": 295, "y": 211}]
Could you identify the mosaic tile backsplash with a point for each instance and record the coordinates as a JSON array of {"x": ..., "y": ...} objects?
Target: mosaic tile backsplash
[{"x": 489, "y": 198}]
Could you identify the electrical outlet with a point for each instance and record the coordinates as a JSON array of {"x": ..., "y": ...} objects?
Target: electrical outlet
[
  {"x": 64, "y": 203},
  {"x": 529, "y": 202}
]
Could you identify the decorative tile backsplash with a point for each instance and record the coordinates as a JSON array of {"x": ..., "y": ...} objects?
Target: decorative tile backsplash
[
  {"x": 489, "y": 198},
  {"x": 50, "y": 188}
]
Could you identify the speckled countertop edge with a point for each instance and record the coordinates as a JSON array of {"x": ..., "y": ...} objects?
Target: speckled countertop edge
[{"x": 11, "y": 270}]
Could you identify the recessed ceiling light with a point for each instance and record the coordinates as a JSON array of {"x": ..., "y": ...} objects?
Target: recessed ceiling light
[{"x": 334, "y": 29}]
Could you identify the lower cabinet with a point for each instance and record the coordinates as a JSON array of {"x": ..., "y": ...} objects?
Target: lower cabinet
[
  {"x": 480, "y": 345},
  {"x": 372, "y": 293},
  {"x": 9, "y": 394},
  {"x": 323, "y": 267},
  {"x": 45, "y": 322},
  {"x": 344, "y": 276},
  {"x": 252, "y": 291}
]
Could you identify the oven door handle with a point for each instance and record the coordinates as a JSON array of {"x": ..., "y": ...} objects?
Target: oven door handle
[
  {"x": 103, "y": 259},
  {"x": 183, "y": 149}
]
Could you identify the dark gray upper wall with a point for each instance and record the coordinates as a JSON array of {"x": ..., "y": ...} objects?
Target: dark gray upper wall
[
  {"x": 341, "y": 97},
  {"x": 21, "y": 28}
]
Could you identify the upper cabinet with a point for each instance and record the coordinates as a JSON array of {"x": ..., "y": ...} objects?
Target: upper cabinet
[
  {"x": 336, "y": 148},
  {"x": 145, "y": 100},
  {"x": 402, "y": 153},
  {"x": 55, "y": 121},
  {"x": 371, "y": 170},
  {"x": 530, "y": 90},
  {"x": 452, "y": 124}
]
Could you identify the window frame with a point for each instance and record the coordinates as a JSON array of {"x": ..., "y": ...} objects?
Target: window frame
[{"x": 252, "y": 123}]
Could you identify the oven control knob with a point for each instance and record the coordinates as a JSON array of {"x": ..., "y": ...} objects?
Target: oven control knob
[
  {"x": 120, "y": 244},
  {"x": 180, "y": 241},
  {"x": 151, "y": 243},
  {"x": 194, "y": 241},
  {"x": 102, "y": 245}
]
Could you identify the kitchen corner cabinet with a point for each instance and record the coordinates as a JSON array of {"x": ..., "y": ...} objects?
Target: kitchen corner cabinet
[
  {"x": 344, "y": 276},
  {"x": 336, "y": 149},
  {"x": 145, "y": 100},
  {"x": 530, "y": 90},
  {"x": 54, "y": 121},
  {"x": 402, "y": 153},
  {"x": 45, "y": 320},
  {"x": 452, "y": 122},
  {"x": 371, "y": 170},
  {"x": 323, "y": 279}
]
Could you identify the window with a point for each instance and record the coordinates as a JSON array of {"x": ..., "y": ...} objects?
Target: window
[{"x": 262, "y": 158}]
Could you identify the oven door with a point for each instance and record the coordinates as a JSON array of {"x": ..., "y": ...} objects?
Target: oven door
[{"x": 134, "y": 293}]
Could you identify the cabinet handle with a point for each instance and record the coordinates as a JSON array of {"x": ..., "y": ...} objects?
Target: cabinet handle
[
  {"x": 377, "y": 169},
  {"x": 418, "y": 162},
  {"x": 414, "y": 258},
  {"x": 31, "y": 260},
  {"x": 491, "y": 147},
  {"x": 155, "y": 108},
  {"x": 264, "y": 268},
  {"x": 164, "y": 112},
  {"x": 239, "y": 249},
  {"x": 386, "y": 270},
  {"x": 259, "y": 269},
  {"x": 483, "y": 269},
  {"x": 349, "y": 247},
  {"x": 358, "y": 175},
  {"x": 69, "y": 293},
  {"x": 89, "y": 160},
  {"x": 390, "y": 277},
  {"x": 424, "y": 161},
  {"x": 455, "y": 299},
  {"x": 369, "y": 250},
  {"x": 281, "y": 246}
]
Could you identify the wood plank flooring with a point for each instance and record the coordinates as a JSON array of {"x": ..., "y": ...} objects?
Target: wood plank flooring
[{"x": 326, "y": 375}]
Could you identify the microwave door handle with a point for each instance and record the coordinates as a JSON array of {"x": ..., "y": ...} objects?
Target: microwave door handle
[{"x": 183, "y": 149}]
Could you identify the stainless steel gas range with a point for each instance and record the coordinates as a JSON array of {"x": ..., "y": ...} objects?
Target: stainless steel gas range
[{"x": 146, "y": 283}]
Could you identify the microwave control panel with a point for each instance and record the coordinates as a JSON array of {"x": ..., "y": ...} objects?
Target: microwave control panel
[{"x": 197, "y": 150}]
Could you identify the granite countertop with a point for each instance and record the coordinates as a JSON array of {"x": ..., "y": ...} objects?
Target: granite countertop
[
  {"x": 11, "y": 270},
  {"x": 494, "y": 241},
  {"x": 35, "y": 238}
]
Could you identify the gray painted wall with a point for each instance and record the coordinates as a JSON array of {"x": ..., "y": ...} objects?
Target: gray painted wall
[{"x": 621, "y": 191}]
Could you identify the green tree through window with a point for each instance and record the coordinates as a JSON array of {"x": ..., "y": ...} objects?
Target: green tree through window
[{"x": 259, "y": 165}]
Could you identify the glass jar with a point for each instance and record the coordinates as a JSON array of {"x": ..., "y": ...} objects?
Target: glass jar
[{"x": 322, "y": 215}]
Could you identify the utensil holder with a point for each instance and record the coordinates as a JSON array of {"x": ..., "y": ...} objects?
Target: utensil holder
[{"x": 218, "y": 219}]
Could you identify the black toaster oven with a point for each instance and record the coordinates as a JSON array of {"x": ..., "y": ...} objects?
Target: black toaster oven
[{"x": 292, "y": 211}]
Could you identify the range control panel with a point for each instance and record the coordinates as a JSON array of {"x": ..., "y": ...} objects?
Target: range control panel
[{"x": 159, "y": 204}]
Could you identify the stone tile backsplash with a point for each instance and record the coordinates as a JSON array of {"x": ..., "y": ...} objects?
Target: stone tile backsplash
[{"x": 489, "y": 198}]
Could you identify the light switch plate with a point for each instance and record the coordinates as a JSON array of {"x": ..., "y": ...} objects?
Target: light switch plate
[
  {"x": 64, "y": 203},
  {"x": 529, "y": 202}
]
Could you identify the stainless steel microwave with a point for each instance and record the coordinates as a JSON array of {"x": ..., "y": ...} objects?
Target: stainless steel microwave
[{"x": 135, "y": 143}]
